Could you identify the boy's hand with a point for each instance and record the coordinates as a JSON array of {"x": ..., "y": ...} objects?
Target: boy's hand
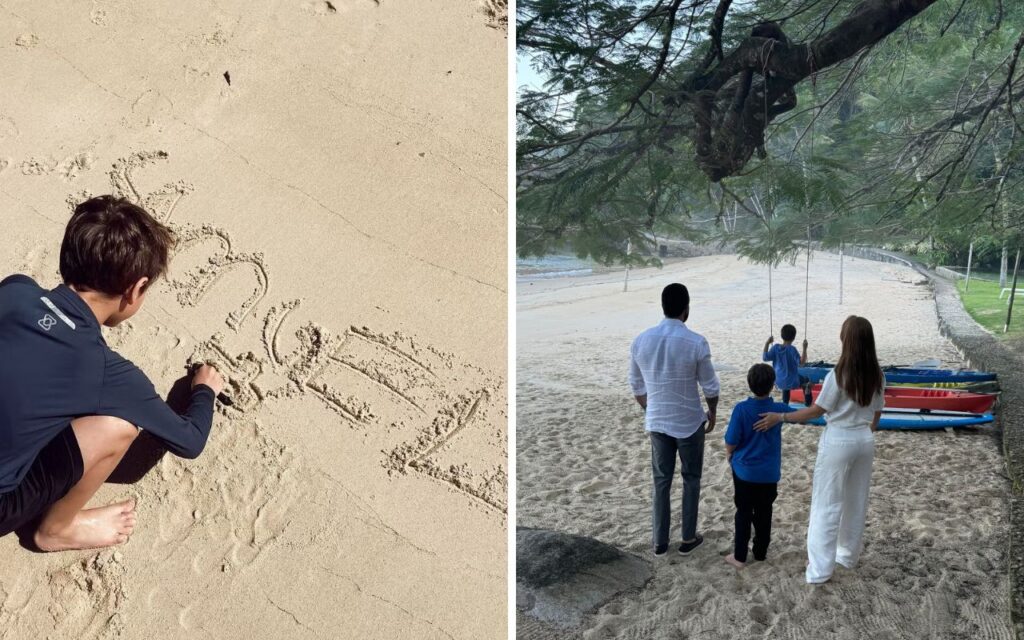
[
  {"x": 770, "y": 339},
  {"x": 805, "y": 344},
  {"x": 205, "y": 374}
]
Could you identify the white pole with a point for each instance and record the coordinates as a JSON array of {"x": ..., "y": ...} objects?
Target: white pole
[
  {"x": 970, "y": 256},
  {"x": 840, "y": 273},
  {"x": 629, "y": 249},
  {"x": 1013, "y": 290}
]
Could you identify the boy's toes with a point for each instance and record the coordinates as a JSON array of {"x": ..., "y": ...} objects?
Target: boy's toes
[{"x": 128, "y": 506}]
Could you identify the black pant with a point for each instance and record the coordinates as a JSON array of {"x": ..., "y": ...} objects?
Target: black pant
[
  {"x": 805, "y": 384},
  {"x": 753, "y": 506}
]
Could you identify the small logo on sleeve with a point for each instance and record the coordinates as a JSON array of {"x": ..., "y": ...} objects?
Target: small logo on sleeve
[{"x": 47, "y": 321}]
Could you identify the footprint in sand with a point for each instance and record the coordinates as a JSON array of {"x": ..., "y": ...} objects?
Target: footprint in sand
[
  {"x": 8, "y": 130},
  {"x": 244, "y": 512},
  {"x": 39, "y": 166},
  {"x": 88, "y": 595},
  {"x": 319, "y": 8},
  {"x": 27, "y": 40},
  {"x": 497, "y": 14},
  {"x": 594, "y": 487},
  {"x": 98, "y": 17},
  {"x": 72, "y": 166},
  {"x": 760, "y": 615},
  {"x": 69, "y": 168}
]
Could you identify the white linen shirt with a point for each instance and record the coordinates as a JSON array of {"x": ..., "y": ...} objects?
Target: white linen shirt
[
  {"x": 842, "y": 411},
  {"x": 667, "y": 362}
]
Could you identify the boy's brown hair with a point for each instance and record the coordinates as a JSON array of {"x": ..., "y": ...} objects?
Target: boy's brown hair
[
  {"x": 110, "y": 243},
  {"x": 760, "y": 379}
]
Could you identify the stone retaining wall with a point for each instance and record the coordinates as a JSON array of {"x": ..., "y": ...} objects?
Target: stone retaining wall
[{"x": 985, "y": 351}]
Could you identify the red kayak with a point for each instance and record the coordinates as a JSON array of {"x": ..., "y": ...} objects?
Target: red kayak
[{"x": 922, "y": 398}]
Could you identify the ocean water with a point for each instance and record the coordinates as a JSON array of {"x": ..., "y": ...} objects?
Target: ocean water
[{"x": 553, "y": 266}]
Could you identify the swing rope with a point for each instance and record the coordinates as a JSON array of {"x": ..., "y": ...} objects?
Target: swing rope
[
  {"x": 807, "y": 279},
  {"x": 771, "y": 323},
  {"x": 807, "y": 269},
  {"x": 770, "y": 208}
]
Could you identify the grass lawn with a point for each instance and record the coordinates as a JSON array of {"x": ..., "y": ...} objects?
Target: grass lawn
[{"x": 984, "y": 305}]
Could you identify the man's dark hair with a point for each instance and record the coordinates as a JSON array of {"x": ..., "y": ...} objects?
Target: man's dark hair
[
  {"x": 110, "y": 243},
  {"x": 674, "y": 300},
  {"x": 760, "y": 379},
  {"x": 788, "y": 332}
]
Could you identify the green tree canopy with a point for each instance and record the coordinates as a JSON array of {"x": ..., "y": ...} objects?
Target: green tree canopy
[{"x": 859, "y": 120}]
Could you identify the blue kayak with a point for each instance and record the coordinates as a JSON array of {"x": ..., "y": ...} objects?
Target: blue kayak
[
  {"x": 906, "y": 375},
  {"x": 917, "y": 419}
]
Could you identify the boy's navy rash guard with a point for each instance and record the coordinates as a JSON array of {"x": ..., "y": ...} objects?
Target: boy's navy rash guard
[{"x": 56, "y": 366}]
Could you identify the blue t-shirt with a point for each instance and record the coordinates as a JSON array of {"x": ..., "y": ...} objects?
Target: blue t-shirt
[
  {"x": 786, "y": 360},
  {"x": 758, "y": 454},
  {"x": 55, "y": 366}
]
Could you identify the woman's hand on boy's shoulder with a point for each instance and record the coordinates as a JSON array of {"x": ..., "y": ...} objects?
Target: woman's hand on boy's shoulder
[{"x": 767, "y": 421}]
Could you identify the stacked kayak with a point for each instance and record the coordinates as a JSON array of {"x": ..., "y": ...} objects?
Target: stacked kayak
[
  {"x": 817, "y": 371},
  {"x": 923, "y": 399},
  {"x": 989, "y": 386},
  {"x": 915, "y": 419}
]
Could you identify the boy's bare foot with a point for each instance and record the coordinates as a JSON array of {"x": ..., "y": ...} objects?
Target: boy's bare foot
[
  {"x": 92, "y": 529},
  {"x": 731, "y": 559}
]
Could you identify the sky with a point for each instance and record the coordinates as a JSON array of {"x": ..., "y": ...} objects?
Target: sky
[{"x": 525, "y": 75}]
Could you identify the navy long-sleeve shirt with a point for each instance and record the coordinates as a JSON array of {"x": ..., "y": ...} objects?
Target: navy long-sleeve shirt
[{"x": 55, "y": 366}]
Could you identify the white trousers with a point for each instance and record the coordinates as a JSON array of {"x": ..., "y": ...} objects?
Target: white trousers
[{"x": 839, "y": 500}]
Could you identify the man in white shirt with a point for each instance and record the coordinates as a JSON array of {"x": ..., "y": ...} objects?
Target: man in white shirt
[{"x": 668, "y": 361}]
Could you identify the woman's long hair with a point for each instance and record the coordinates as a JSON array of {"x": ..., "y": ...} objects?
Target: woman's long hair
[{"x": 857, "y": 371}]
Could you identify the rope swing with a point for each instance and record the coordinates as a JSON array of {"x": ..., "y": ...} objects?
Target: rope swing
[
  {"x": 770, "y": 209},
  {"x": 771, "y": 322},
  {"x": 807, "y": 279}
]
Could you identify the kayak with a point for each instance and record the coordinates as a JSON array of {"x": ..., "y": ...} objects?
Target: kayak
[
  {"x": 893, "y": 419},
  {"x": 922, "y": 398},
  {"x": 817, "y": 371},
  {"x": 989, "y": 386}
]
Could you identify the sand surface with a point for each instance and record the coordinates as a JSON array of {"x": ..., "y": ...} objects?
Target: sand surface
[
  {"x": 933, "y": 565},
  {"x": 336, "y": 172}
]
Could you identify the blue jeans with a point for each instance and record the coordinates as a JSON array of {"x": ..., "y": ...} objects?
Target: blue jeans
[{"x": 664, "y": 449}]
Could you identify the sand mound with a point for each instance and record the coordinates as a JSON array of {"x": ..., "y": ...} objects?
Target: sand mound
[{"x": 560, "y": 577}]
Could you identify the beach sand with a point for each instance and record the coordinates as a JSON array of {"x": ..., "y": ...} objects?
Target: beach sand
[
  {"x": 336, "y": 173},
  {"x": 933, "y": 566}
]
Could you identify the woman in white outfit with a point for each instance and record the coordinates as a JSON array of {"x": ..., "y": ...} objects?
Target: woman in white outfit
[{"x": 851, "y": 400}]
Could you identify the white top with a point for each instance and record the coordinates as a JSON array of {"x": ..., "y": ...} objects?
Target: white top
[
  {"x": 842, "y": 411},
  {"x": 667, "y": 363}
]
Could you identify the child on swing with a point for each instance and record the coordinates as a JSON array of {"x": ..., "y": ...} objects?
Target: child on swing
[{"x": 786, "y": 361}]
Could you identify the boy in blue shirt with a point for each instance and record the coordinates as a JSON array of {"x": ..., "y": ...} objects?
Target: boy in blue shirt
[
  {"x": 787, "y": 361},
  {"x": 756, "y": 460},
  {"x": 69, "y": 405}
]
